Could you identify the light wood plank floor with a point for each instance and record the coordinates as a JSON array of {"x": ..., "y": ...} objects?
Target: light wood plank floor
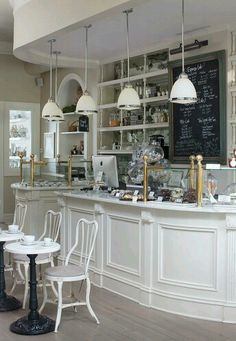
[{"x": 121, "y": 320}]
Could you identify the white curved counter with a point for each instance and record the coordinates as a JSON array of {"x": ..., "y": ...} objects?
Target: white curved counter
[{"x": 173, "y": 257}]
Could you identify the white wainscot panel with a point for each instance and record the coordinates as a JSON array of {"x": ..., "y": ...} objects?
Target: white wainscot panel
[
  {"x": 124, "y": 244},
  {"x": 182, "y": 251}
]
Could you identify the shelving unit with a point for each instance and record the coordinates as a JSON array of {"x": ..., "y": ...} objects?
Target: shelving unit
[
  {"x": 149, "y": 76},
  {"x": 68, "y": 139},
  {"x": 68, "y": 93}
]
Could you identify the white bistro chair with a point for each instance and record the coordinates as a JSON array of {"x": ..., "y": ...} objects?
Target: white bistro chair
[
  {"x": 19, "y": 219},
  {"x": 52, "y": 224},
  {"x": 19, "y": 215},
  {"x": 85, "y": 236}
]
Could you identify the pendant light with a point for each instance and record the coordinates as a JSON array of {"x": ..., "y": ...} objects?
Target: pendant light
[
  {"x": 183, "y": 90},
  {"x": 61, "y": 118},
  {"x": 51, "y": 110},
  {"x": 128, "y": 99},
  {"x": 86, "y": 104}
]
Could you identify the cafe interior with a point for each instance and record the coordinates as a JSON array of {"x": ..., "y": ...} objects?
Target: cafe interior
[{"x": 117, "y": 172}]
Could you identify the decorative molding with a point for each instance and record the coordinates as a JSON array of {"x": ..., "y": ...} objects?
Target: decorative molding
[
  {"x": 171, "y": 281},
  {"x": 98, "y": 209},
  {"x": 110, "y": 263},
  {"x": 231, "y": 260},
  {"x": 231, "y": 221},
  {"x": 147, "y": 217}
]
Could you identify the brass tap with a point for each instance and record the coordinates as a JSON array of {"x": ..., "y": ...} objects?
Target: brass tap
[
  {"x": 32, "y": 169},
  {"x": 70, "y": 170},
  {"x": 145, "y": 179},
  {"x": 199, "y": 159},
  {"x": 191, "y": 172}
]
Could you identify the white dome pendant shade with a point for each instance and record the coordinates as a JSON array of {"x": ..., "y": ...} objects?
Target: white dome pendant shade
[
  {"x": 51, "y": 110},
  {"x": 183, "y": 90},
  {"x": 128, "y": 98},
  {"x": 86, "y": 104}
]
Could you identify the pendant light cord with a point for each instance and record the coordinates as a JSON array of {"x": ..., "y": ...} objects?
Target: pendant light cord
[
  {"x": 127, "y": 43},
  {"x": 183, "y": 36},
  {"x": 56, "y": 65},
  {"x": 86, "y": 58},
  {"x": 50, "y": 67}
]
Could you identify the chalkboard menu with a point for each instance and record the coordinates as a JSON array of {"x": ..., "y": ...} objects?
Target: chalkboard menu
[
  {"x": 84, "y": 123},
  {"x": 200, "y": 128}
]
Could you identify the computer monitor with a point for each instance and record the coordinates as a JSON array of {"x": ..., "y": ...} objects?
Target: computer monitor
[{"x": 108, "y": 166}]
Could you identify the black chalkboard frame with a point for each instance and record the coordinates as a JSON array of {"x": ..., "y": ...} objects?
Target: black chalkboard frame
[{"x": 221, "y": 57}]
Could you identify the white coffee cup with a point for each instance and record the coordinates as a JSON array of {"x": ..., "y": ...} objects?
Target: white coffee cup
[
  {"x": 13, "y": 228},
  {"x": 28, "y": 239},
  {"x": 47, "y": 241}
]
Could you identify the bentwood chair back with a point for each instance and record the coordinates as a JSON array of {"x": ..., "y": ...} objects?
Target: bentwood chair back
[
  {"x": 19, "y": 219},
  {"x": 19, "y": 215},
  {"x": 52, "y": 225},
  {"x": 85, "y": 236}
]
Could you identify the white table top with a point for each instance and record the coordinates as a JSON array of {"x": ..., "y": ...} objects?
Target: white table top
[
  {"x": 34, "y": 249},
  {"x": 5, "y": 236}
]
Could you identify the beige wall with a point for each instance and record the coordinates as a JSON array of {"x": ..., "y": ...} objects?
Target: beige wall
[{"x": 16, "y": 85}]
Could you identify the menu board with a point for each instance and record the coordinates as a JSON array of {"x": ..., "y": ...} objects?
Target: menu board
[
  {"x": 200, "y": 128},
  {"x": 84, "y": 123}
]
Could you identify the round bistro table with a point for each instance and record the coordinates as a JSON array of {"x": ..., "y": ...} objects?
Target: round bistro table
[
  {"x": 33, "y": 323},
  {"x": 7, "y": 303}
]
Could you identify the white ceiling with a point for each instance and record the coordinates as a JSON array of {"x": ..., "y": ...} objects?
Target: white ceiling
[{"x": 152, "y": 23}]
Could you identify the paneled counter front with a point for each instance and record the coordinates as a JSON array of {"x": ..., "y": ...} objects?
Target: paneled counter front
[{"x": 174, "y": 257}]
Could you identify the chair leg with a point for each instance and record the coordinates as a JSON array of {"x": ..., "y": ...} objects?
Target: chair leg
[
  {"x": 72, "y": 296},
  {"x": 59, "y": 306},
  {"x": 26, "y": 268},
  {"x": 14, "y": 278},
  {"x": 19, "y": 271},
  {"x": 52, "y": 283},
  {"x": 88, "y": 288},
  {"x": 45, "y": 296}
]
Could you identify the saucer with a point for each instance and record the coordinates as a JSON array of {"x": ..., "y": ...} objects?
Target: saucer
[
  {"x": 28, "y": 243},
  {"x": 47, "y": 245},
  {"x": 9, "y": 232}
]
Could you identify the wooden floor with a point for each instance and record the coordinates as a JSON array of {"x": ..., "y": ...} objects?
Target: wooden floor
[{"x": 121, "y": 320}]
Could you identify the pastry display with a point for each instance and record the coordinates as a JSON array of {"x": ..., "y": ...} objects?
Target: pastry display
[
  {"x": 190, "y": 196},
  {"x": 165, "y": 193},
  {"x": 176, "y": 193}
]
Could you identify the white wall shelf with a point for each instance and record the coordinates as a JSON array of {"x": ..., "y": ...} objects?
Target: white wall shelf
[
  {"x": 115, "y": 151},
  {"x": 69, "y": 113},
  {"x": 143, "y": 100},
  {"x": 134, "y": 78},
  {"x": 72, "y": 132},
  {"x": 135, "y": 127},
  {"x": 149, "y": 77}
]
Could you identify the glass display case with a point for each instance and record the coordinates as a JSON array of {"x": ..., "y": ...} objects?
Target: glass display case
[
  {"x": 54, "y": 173},
  {"x": 21, "y": 134}
]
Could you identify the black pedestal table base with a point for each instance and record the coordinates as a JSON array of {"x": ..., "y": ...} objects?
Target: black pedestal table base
[
  {"x": 26, "y": 326},
  {"x": 7, "y": 303},
  {"x": 34, "y": 323}
]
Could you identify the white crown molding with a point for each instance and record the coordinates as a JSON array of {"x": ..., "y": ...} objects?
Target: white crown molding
[
  {"x": 35, "y": 56},
  {"x": 16, "y": 4}
]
